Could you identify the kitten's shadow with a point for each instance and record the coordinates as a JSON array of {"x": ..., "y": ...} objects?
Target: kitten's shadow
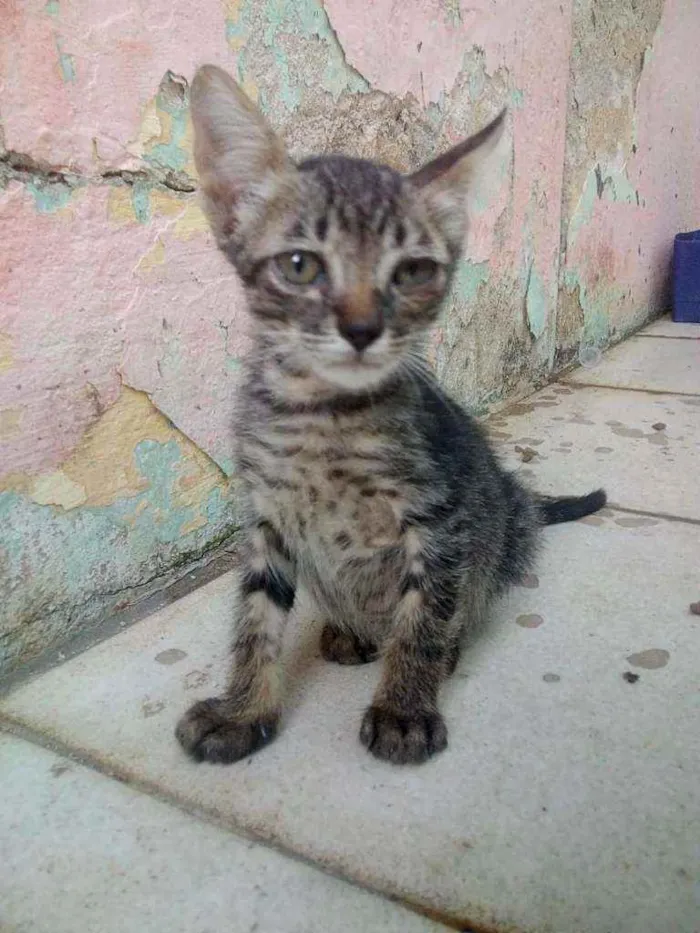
[
  {"x": 479, "y": 644},
  {"x": 302, "y": 661}
]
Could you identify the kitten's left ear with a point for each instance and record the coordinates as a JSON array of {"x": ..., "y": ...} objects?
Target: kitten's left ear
[
  {"x": 446, "y": 182},
  {"x": 240, "y": 159}
]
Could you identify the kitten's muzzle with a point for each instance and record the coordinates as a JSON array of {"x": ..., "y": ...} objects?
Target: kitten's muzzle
[
  {"x": 360, "y": 319},
  {"x": 361, "y": 334}
]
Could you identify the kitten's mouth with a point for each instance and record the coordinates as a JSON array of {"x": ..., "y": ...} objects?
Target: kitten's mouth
[
  {"x": 359, "y": 361},
  {"x": 341, "y": 366},
  {"x": 357, "y": 372}
]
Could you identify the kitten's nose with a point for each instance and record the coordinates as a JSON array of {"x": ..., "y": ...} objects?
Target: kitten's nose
[{"x": 361, "y": 333}]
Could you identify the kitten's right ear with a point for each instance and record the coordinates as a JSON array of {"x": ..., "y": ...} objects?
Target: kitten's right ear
[
  {"x": 237, "y": 153},
  {"x": 445, "y": 183}
]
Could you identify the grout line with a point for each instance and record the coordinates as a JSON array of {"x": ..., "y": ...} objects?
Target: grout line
[
  {"x": 666, "y": 516},
  {"x": 14, "y": 726},
  {"x": 642, "y": 333},
  {"x": 667, "y": 336},
  {"x": 604, "y": 385}
]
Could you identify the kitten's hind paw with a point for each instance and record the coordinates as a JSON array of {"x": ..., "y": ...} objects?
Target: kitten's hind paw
[
  {"x": 408, "y": 739},
  {"x": 345, "y": 648},
  {"x": 209, "y": 731}
]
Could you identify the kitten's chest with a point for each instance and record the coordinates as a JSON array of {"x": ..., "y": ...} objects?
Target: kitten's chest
[{"x": 329, "y": 485}]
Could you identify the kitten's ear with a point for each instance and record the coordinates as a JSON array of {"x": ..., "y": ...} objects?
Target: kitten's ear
[
  {"x": 239, "y": 157},
  {"x": 445, "y": 183}
]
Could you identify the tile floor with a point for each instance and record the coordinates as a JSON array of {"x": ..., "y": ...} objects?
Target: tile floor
[{"x": 568, "y": 800}]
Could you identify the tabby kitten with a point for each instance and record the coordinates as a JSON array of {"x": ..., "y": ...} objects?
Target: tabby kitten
[{"x": 362, "y": 479}]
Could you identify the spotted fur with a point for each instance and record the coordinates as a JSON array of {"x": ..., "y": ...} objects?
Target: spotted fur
[{"x": 361, "y": 479}]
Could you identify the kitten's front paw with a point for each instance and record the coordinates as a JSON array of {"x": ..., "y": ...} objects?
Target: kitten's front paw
[
  {"x": 345, "y": 648},
  {"x": 407, "y": 739},
  {"x": 210, "y": 732}
]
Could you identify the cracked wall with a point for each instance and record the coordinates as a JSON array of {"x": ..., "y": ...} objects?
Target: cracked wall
[
  {"x": 121, "y": 327},
  {"x": 631, "y": 171}
]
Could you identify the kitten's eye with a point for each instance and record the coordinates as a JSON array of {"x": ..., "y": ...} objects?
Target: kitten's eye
[
  {"x": 414, "y": 272},
  {"x": 299, "y": 267}
]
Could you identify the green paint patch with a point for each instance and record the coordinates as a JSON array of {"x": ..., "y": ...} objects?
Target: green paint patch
[
  {"x": 237, "y": 28},
  {"x": 172, "y": 99},
  {"x": 536, "y": 303},
  {"x": 66, "y": 63},
  {"x": 233, "y": 364},
  {"x": 160, "y": 464},
  {"x": 477, "y": 78},
  {"x": 462, "y": 296},
  {"x": 289, "y": 94},
  {"x": 52, "y": 8},
  {"x": 141, "y": 201},
  {"x": 435, "y": 112},
  {"x": 584, "y": 209},
  {"x": 58, "y": 564},
  {"x": 611, "y": 185},
  {"x": 467, "y": 280},
  {"x": 517, "y": 99},
  {"x": 50, "y": 197},
  {"x": 596, "y": 325}
]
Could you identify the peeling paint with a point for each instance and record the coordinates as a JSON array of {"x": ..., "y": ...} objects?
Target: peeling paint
[
  {"x": 610, "y": 184},
  {"x": 141, "y": 201},
  {"x": 272, "y": 30},
  {"x": 584, "y": 208},
  {"x": 66, "y": 62},
  {"x": 624, "y": 195},
  {"x": 115, "y": 426},
  {"x": 172, "y": 148},
  {"x": 6, "y": 352},
  {"x": 536, "y": 303},
  {"x": 58, "y": 489},
  {"x": 468, "y": 278},
  {"x": 50, "y": 197},
  {"x": 595, "y": 310},
  {"x": 133, "y": 497}
]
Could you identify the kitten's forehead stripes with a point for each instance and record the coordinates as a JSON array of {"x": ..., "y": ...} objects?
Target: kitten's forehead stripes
[
  {"x": 322, "y": 228},
  {"x": 358, "y": 198},
  {"x": 298, "y": 231},
  {"x": 363, "y": 196}
]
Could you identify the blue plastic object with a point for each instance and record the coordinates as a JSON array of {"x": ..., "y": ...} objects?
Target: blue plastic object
[{"x": 686, "y": 278}]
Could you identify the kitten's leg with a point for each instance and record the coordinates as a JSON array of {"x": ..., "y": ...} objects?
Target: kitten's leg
[
  {"x": 344, "y": 647},
  {"x": 224, "y": 729},
  {"x": 403, "y": 724}
]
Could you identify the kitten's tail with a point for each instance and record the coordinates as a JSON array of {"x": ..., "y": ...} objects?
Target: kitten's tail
[{"x": 568, "y": 508}]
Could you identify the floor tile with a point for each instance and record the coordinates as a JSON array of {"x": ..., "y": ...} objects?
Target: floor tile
[
  {"x": 567, "y": 800},
  {"x": 81, "y": 853},
  {"x": 643, "y": 449},
  {"x": 643, "y": 363}
]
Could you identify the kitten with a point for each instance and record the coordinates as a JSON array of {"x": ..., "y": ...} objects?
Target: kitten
[{"x": 361, "y": 478}]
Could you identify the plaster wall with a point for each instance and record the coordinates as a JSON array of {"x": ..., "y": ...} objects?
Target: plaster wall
[{"x": 121, "y": 327}]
